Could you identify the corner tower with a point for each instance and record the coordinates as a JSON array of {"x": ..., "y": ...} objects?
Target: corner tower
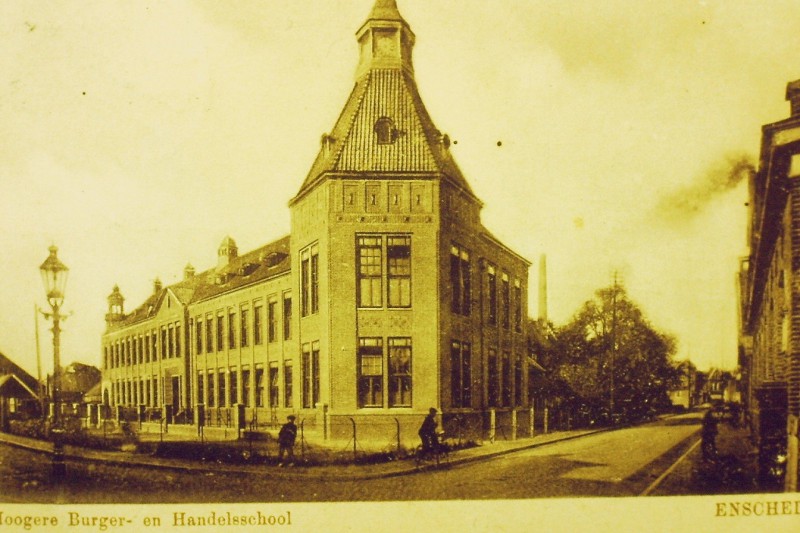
[{"x": 373, "y": 227}]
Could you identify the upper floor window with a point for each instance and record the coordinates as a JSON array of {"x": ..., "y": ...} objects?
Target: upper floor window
[
  {"x": 231, "y": 329},
  {"x": 287, "y": 316},
  {"x": 244, "y": 337},
  {"x": 370, "y": 268},
  {"x": 460, "y": 280},
  {"x": 398, "y": 254},
  {"x": 272, "y": 320},
  {"x": 372, "y": 253},
  {"x": 309, "y": 280},
  {"x": 491, "y": 279},
  {"x": 258, "y": 312},
  {"x": 506, "y": 295},
  {"x": 517, "y": 306},
  {"x": 198, "y": 333}
]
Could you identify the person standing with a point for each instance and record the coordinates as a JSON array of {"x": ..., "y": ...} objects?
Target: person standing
[
  {"x": 709, "y": 436},
  {"x": 286, "y": 438}
]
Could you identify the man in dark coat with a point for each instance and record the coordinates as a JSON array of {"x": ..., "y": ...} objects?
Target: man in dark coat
[
  {"x": 286, "y": 438},
  {"x": 709, "y": 436},
  {"x": 427, "y": 431}
]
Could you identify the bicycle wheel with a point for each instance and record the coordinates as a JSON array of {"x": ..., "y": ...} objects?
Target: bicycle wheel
[{"x": 418, "y": 456}]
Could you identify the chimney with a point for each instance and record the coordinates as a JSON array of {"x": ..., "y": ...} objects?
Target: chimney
[
  {"x": 188, "y": 271},
  {"x": 543, "y": 288},
  {"x": 793, "y": 96},
  {"x": 157, "y": 286},
  {"x": 327, "y": 144}
]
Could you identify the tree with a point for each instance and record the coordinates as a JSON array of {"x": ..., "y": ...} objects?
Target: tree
[{"x": 614, "y": 362}]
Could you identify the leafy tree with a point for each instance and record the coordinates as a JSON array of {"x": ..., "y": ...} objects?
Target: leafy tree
[{"x": 612, "y": 360}]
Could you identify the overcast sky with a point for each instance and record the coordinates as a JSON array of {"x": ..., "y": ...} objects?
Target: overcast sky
[{"x": 135, "y": 135}]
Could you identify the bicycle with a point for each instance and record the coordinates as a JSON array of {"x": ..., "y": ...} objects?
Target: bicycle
[{"x": 436, "y": 455}]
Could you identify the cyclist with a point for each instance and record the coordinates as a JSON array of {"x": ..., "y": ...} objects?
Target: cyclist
[{"x": 427, "y": 432}]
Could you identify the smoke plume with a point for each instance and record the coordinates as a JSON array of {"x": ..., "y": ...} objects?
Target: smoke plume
[{"x": 685, "y": 203}]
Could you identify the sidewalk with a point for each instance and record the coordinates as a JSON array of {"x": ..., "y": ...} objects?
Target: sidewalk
[
  {"x": 340, "y": 472},
  {"x": 734, "y": 471}
]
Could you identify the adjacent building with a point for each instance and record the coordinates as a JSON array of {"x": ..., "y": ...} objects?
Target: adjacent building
[
  {"x": 388, "y": 296},
  {"x": 769, "y": 282}
]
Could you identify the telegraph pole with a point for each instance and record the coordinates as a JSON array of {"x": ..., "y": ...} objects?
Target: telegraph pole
[{"x": 613, "y": 348}]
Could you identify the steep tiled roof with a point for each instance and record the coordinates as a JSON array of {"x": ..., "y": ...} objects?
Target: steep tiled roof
[
  {"x": 265, "y": 262},
  {"x": 7, "y": 366},
  {"x": 418, "y": 148}
]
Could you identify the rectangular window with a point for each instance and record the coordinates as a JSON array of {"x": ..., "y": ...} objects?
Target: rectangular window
[
  {"x": 220, "y": 331},
  {"x": 147, "y": 345},
  {"x": 198, "y": 334},
  {"x": 244, "y": 337},
  {"x": 506, "y": 295},
  {"x": 211, "y": 397},
  {"x": 305, "y": 374},
  {"x": 400, "y": 372},
  {"x": 287, "y": 383},
  {"x": 517, "y": 306},
  {"x": 314, "y": 279},
  {"x": 155, "y": 390},
  {"x": 460, "y": 280},
  {"x": 287, "y": 317},
  {"x": 154, "y": 345},
  {"x": 259, "y": 387},
  {"x": 209, "y": 333},
  {"x": 493, "y": 380},
  {"x": 246, "y": 387},
  {"x": 518, "y": 381},
  {"x": 258, "y": 311},
  {"x": 315, "y": 384},
  {"x": 274, "y": 385},
  {"x": 178, "y": 343},
  {"x": 506, "y": 375},
  {"x": 369, "y": 271},
  {"x": 492, "y": 281},
  {"x": 221, "y": 393},
  {"x": 461, "y": 374},
  {"x": 233, "y": 377},
  {"x": 200, "y": 388},
  {"x": 163, "y": 342},
  {"x": 272, "y": 320},
  {"x": 304, "y": 282},
  {"x": 370, "y": 372},
  {"x": 398, "y": 259},
  {"x": 170, "y": 341},
  {"x": 231, "y": 329}
]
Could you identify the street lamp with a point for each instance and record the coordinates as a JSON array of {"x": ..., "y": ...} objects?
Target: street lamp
[{"x": 54, "y": 276}]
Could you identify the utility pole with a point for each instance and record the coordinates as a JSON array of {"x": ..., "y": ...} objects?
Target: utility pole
[{"x": 613, "y": 348}]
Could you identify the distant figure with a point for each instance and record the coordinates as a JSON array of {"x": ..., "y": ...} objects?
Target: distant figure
[
  {"x": 709, "y": 436},
  {"x": 286, "y": 437},
  {"x": 427, "y": 431}
]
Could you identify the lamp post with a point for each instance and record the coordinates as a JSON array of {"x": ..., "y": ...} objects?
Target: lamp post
[{"x": 54, "y": 276}]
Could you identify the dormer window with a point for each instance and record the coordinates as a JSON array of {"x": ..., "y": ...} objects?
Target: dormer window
[{"x": 385, "y": 130}]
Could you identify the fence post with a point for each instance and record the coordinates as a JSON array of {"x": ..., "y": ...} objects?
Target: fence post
[
  {"x": 546, "y": 413},
  {"x": 513, "y": 424},
  {"x": 492, "y": 424},
  {"x": 354, "y": 439},
  {"x": 532, "y": 418}
]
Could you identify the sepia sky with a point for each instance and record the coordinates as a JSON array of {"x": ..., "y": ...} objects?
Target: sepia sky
[{"x": 136, "y": 135}]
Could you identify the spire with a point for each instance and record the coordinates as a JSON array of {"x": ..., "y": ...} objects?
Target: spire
[{"x": 385, "y": 40}]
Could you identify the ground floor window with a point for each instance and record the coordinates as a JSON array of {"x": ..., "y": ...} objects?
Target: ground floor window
[
  {"x": 234, "y": 389},
  {"x": 370, "y": 372},
  {"x": 461, "y": 374},
  {"x": 211, "y": 396},
  {"x": 200, "y": 388},
  {"x": 492, "y": 385},
  {"x": 400, "y": 372},
  {"x": 274, "y": 385},
  {"x": 246, "y": 387},
  {"x": 259, "y": 387},
  {"x": 287, "y": 383}
]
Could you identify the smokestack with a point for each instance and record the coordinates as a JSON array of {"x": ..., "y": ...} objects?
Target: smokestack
[{"x": 543, "y": 288}]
